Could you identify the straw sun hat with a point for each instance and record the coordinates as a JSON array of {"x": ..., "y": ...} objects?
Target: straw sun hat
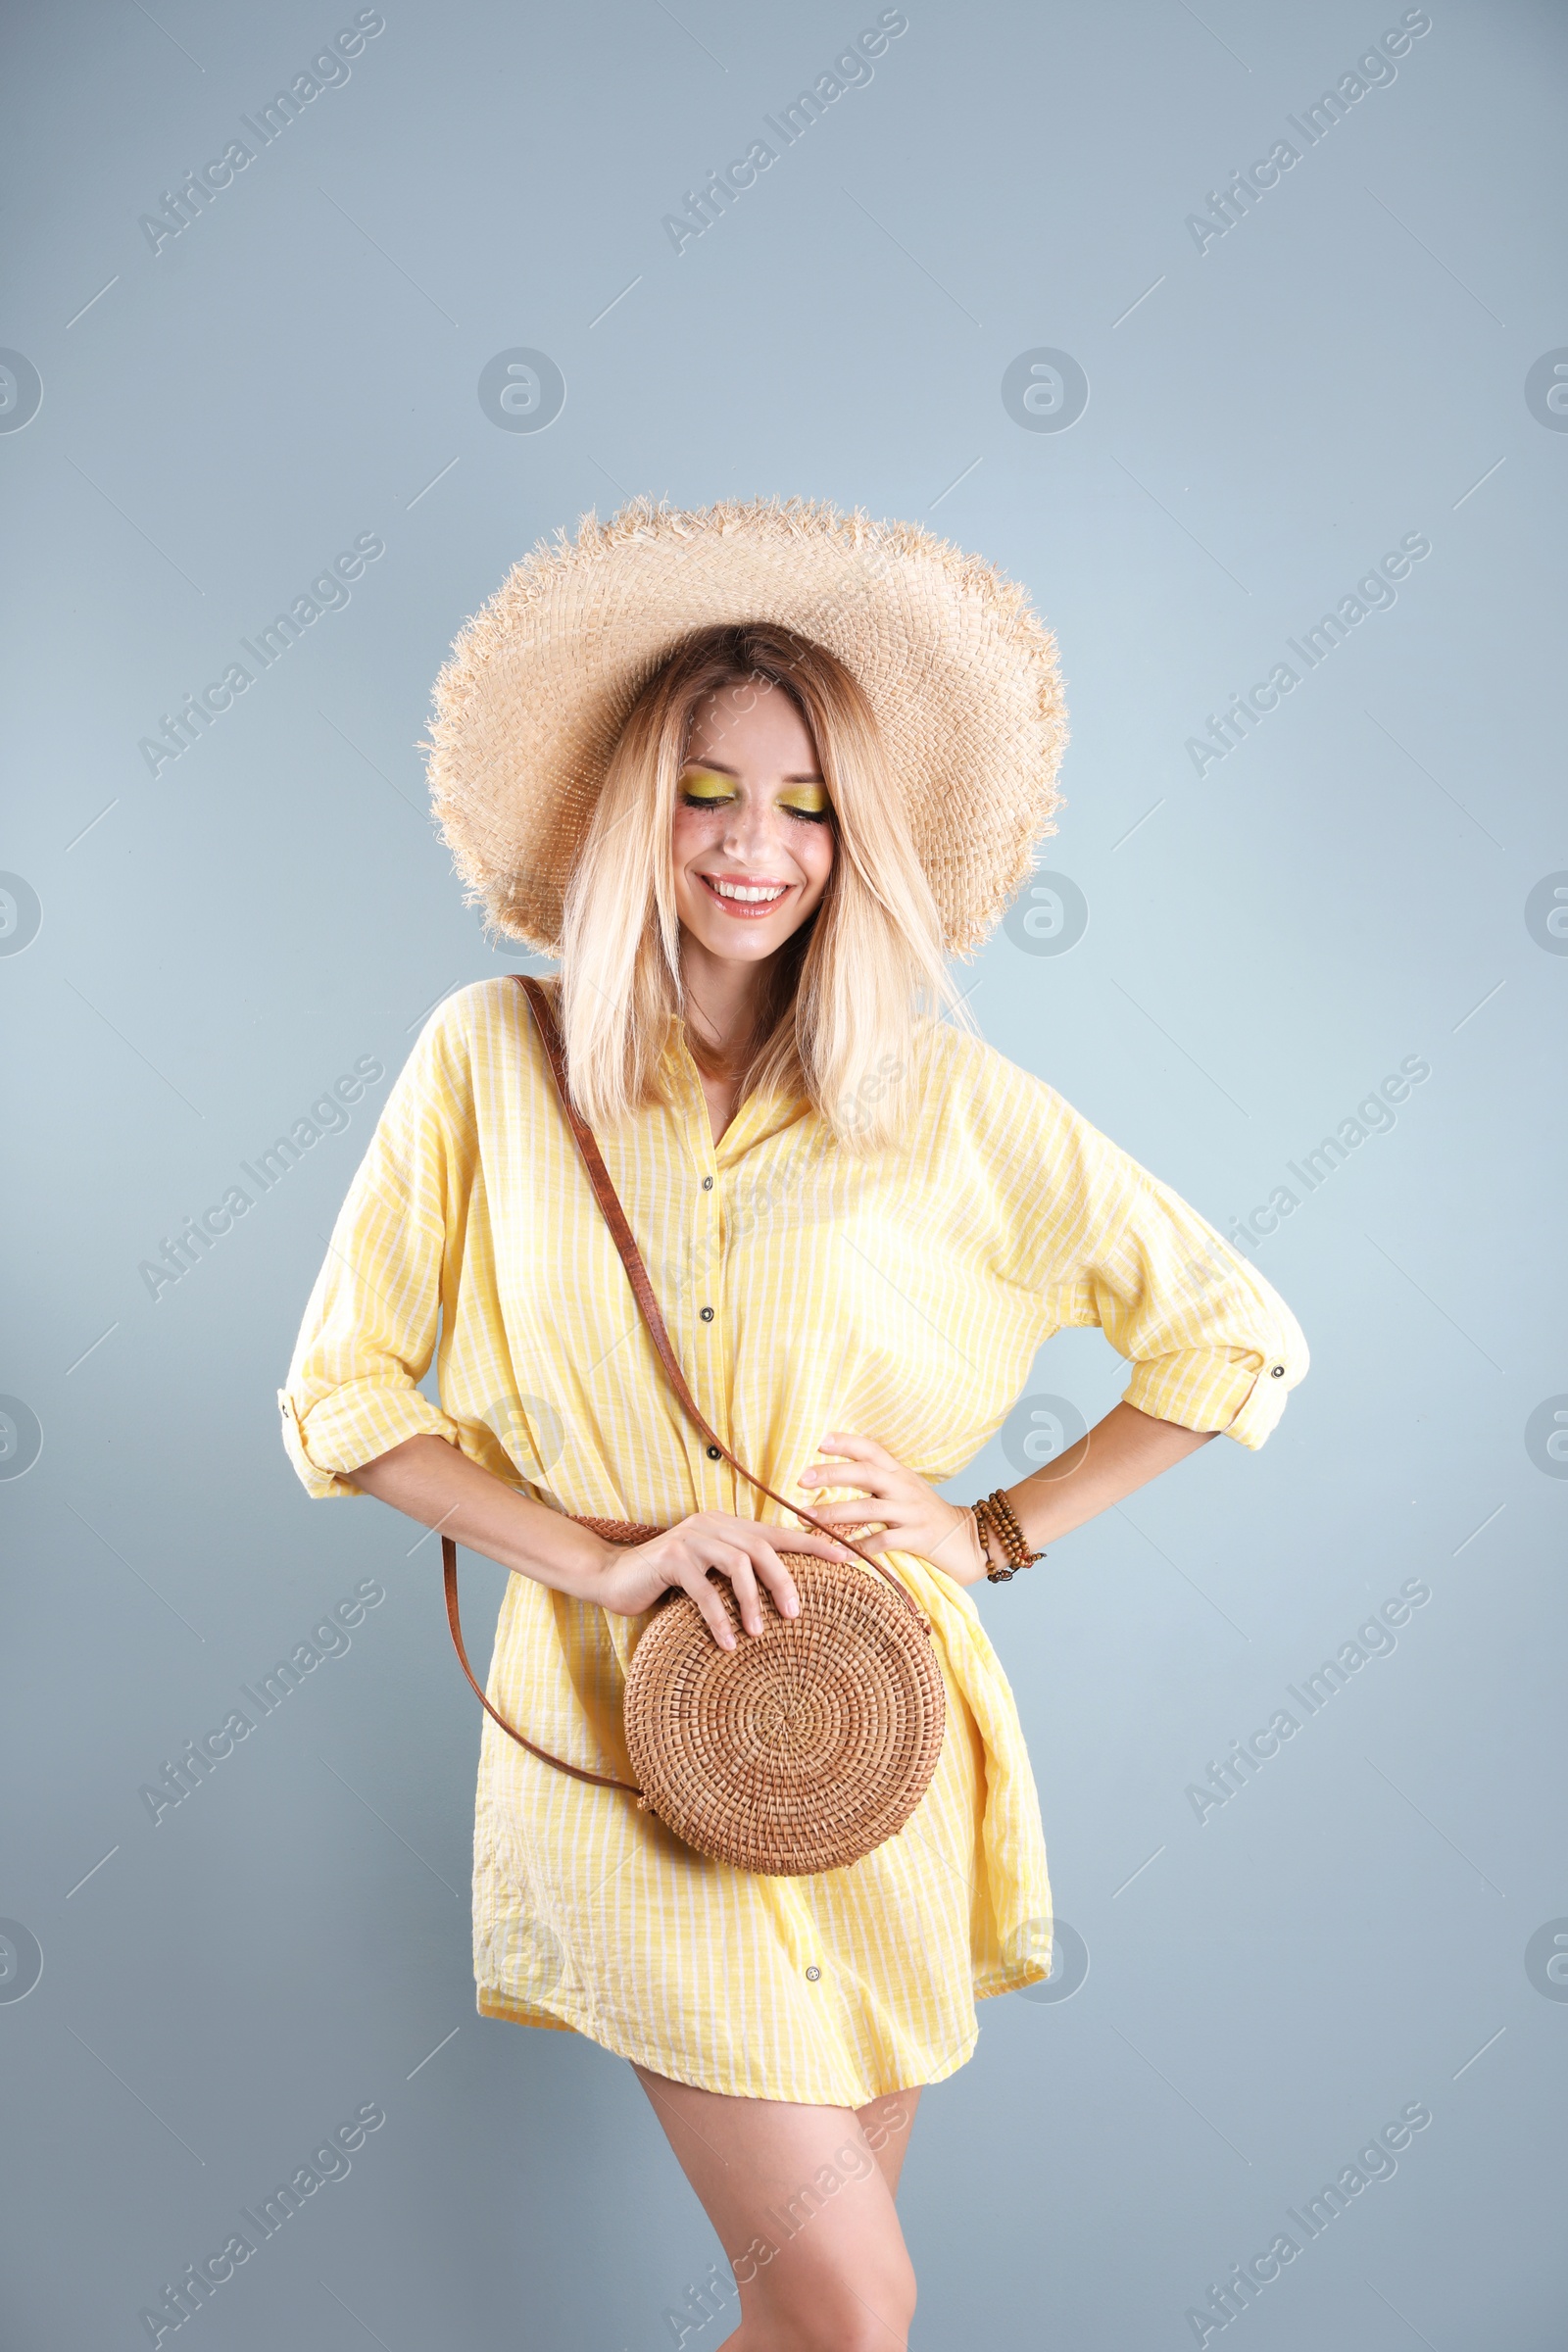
[{"x": 960, "y": 672}]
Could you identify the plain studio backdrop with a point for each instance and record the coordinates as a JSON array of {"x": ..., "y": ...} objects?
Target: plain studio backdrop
[{"x": 1238, "y": 337}]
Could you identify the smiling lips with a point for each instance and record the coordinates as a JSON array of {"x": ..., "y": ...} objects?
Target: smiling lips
[{"x": 746, "y": 900}]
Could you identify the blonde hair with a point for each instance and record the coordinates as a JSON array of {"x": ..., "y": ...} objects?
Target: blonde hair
[{"x": 851, "y": 985}]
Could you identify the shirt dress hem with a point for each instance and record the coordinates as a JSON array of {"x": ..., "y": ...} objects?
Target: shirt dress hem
[{"x": 491, "y": 2002}]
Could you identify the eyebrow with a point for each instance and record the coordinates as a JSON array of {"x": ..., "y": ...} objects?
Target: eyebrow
[{"x": 720, "y": 769}]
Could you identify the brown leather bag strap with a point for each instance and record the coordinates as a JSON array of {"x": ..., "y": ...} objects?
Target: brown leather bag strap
[
  {"x": 643, "y": 1290},
  {"x": 601, "y": 1780}
]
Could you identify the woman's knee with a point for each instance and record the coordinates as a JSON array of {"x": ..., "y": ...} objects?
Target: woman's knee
[{"x": 864, "y": 2307}]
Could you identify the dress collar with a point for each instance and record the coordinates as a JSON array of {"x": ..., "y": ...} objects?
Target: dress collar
[{"x": 758, "y": 1118}]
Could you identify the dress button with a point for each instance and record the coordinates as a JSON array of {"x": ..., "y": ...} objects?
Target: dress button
[
  {"x": 715, "y": 1453},
  {"x": 707, "y": 1184},
  {"x": 1277, "y": 1371},
  {"x": 707, "y": 1314}
]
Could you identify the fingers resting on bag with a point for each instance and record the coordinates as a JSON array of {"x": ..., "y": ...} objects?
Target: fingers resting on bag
[{"x": 744, "y": 1552}]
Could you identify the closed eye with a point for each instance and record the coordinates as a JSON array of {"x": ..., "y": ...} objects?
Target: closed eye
[
  {"x": 804, "y": 798},
  {"x": 700, "y": 787},
  {"x": 808, "y": 801}
]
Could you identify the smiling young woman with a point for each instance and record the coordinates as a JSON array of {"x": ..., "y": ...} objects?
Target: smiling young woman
[{"x": 753, "y": 845}]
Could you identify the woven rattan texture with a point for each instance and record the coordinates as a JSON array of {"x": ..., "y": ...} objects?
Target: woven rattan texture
[{"x": 805, "y": 1746}]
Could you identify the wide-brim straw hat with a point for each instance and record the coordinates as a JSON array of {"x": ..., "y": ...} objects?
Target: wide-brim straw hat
[{"x": 960, "y": 672}]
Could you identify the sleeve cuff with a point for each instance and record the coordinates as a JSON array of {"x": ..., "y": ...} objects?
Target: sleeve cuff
[
  {"x": 352, "y": 1425},
  {"x": 1229, "y": 1390}
]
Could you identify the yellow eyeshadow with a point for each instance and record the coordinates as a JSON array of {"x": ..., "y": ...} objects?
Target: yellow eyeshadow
[
  {"x": 705, "y": 785},
  {"x": 701, "y": 784}
]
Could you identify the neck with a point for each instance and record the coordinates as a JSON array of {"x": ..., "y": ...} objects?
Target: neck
[{"x": 724, "y": 998}]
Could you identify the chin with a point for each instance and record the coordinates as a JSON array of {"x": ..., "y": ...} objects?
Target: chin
[{"x": 737, "y": 945}]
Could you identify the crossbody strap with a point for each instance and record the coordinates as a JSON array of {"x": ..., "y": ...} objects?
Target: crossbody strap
[
  {"x": 449, "y": 1573},
  {"x": 643, "y": 1290}
]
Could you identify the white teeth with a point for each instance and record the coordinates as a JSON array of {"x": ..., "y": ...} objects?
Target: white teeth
[{"x": 740, "y": 890}]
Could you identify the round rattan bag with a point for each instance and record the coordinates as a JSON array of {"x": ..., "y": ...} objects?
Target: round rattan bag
[{"x": 804, "y": 1748}]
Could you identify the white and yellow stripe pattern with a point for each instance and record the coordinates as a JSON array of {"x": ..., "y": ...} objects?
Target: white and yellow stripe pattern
[{"x": 902, "y": 1298}]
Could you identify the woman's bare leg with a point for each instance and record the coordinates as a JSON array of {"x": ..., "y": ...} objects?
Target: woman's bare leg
[
  {"x": 801, "y": 2200},
  {"x": 887, "y": 2125}
]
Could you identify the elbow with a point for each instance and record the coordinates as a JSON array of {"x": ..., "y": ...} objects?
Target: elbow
[{"x": 385, "y": 1471}]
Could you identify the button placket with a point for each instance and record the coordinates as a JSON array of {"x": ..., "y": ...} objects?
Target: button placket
[
  {"x": 711, "y": 1356},
  {"x": 709, "y": 1226}
]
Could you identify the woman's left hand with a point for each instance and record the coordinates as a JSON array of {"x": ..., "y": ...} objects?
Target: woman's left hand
[{"x": 914, "y": 1514}]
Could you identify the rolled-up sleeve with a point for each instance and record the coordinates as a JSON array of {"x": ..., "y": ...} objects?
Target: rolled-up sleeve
[
  {"x": 370, "y": 1327},
  {"x": 1211, "y": 1345}
]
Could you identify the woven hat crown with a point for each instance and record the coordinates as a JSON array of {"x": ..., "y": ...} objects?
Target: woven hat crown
[{"x": 960, "y": 672}]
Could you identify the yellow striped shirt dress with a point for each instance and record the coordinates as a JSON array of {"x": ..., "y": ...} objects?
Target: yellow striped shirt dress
[{"x": 903, "y": 1297}]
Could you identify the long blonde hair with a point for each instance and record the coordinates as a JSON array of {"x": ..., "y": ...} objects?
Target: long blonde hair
[{"x": 853, "y": 984}]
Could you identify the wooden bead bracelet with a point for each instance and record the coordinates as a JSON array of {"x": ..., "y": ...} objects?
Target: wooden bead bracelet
[{"x": 993, "y": 1515}]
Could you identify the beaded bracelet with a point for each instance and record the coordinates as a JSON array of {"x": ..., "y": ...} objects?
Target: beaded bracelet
[
  {"x": 994, "y": 1514},
  {"x": 987, "y": 1526}
]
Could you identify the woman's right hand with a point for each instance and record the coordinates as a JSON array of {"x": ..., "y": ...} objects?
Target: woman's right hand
[{"x": 633, "y": 1575}]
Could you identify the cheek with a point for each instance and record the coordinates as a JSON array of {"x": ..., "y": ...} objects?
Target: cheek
[
  {"x": 693, "y": 831},
  {"x": 817, "y": 855}
]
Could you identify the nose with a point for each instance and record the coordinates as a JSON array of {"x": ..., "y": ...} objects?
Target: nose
[{"x": 753, "y": 831}]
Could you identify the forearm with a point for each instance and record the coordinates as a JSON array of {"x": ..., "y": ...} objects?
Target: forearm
[
  {"x": 1120, "y": 1454},
  {"x": 437, "y": 1485}
]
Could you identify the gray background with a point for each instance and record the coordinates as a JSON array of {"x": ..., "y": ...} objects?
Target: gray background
[{"x": 1267, "y": 1987}]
